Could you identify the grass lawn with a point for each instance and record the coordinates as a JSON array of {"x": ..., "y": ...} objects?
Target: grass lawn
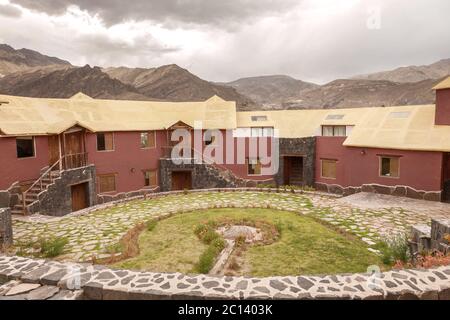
[{"x": 305, "y": 247}]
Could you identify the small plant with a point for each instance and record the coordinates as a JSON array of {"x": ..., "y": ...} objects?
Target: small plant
[
  {"x": 240, "y": 241},
  {"x": 234, "y": 265},
  {"x": 185, "y": 191},
  {"x": 394, "y": 250},
  {"x": 151, "y": 224},
  {"x": 52, "y": 247}
]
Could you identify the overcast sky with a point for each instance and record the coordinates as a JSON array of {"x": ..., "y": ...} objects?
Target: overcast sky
[{"x": 313, "y": 40}]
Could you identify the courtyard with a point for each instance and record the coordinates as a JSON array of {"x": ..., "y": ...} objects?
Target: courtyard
[{"x": 97, "y": 235}]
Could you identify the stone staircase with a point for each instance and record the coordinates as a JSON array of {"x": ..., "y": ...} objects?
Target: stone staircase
[{"x": 32, "y": 194}]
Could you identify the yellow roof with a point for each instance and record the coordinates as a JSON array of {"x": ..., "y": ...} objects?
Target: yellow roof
[
  {"x": 443, "y": 85},
  {"x": 37, "y": 116},
  {"x": 403, "y": 128}
]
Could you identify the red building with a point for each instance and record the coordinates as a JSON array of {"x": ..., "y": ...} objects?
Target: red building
[{"x": 60, "y": 155}]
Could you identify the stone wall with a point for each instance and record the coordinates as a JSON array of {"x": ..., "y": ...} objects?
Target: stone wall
[
  {"x": 106, "y": 198},
  {"x": 304, "y": 147},
  {"x": 57, "y": 199},
  {"x": 204, "y": 176},
  {"x": 434, "y": 238},
  {"x": 6, "y": 231},
  {"x": 400, "y": 191},
  {"x": 9, "y": 198},
  {"x": 56, "y": 280}
]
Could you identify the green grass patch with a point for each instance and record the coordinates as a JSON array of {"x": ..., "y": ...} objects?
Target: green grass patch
[{"x": 305, "y": 245}]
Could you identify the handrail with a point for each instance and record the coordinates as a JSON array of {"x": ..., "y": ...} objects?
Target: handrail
[{"x": 61, "y": 162}]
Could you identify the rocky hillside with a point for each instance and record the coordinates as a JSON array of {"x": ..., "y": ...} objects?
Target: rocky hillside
[
  {"x": 12, "y": 60},
  {"x": 436, "y": 70},
  {"x": 366, "y": 93},
  {"x": 176, "y": 84},
  {"x": 272, "y": 92},
  {"x": 64, "y": 83}
]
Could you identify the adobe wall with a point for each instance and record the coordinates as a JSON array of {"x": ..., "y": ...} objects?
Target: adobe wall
[
  {"x": 421, "y": 171},
  {"x": 13, "y": 169}
]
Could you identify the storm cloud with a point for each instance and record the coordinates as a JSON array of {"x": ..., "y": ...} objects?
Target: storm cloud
[
  {"x": 7, "y": 10},
  {"x": 312, "y": 40},
  {"x": 172, "y": 12}
]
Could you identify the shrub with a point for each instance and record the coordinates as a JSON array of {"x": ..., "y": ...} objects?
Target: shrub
[
  {"x": 234, "y": 265},
  {"x": 240, "y": 241},
  {"x": 52, "y": 247},
  {"x": 200, "y": 229},
  {"x": 151, "y": 225},
  {"x": 206, "y": 261},
  {"x": 395, "y": 249},
  {"x": 209, "y": 236}
]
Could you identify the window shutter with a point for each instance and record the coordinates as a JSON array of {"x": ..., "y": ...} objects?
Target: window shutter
[{"x": 109, "y": 141}]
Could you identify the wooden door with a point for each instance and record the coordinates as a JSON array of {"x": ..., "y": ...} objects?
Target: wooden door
[
  {"x": 79, "y": 196},
  {"x": 53, "y": 149},
  {"x": 74, "y": 143},
  {"x": 181, "y": 180}
]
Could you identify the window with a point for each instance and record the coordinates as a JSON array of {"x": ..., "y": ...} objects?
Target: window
[
  {"x": 334, "y": 131},
  {"x": 257, "y": 132},
  {"x": 209, "y": 138},
  {"x": 25, "y": 147},
  {"x": 105, "y": 141},
  {"x": 268, "y": 132},
  {"x": 253, "y": 166},
  {"x": 148, "y": 140},
  {"x": 328, "y": 168},
  {"x": 259, "y": 118},
  {"x": 390, "y": 167},
  {"x": 150, "y": 178},
  {"x": 106, "y": 183}
]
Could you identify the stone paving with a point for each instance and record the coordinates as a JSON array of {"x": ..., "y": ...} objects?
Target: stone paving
[
  {"x": 98, "y": 233},
  {"x": 39, "y": 279}
]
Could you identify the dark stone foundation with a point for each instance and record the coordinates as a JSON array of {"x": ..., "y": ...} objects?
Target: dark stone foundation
[{"x": 401, "y": 191}]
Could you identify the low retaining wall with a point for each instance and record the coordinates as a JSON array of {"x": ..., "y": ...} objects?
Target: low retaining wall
[
  {"x": 91, "y": 282},
  {"x": 399, "y": 191},
  {"x": 106, "y": 198},
  {"x": 6, "y": 232}
]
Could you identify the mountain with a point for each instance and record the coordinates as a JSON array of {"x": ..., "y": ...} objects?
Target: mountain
[
  {"x": 174, "y": 83},
  {"x": 351, "y": 93},
  {"x": 64, "y": 83},
  {"x": 272, "y": 91},
  {"x": 12, "y": 60},
  {"x": 436, "y": 70}
]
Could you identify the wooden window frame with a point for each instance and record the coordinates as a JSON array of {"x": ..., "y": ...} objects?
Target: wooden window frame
[
  {"x": 113, "y": 141},
  {"x": 156, "y": 177},
  {"x": 33, "y": 138},
  {"x": 380, "y": 166},
  {"x": 99, "y": 176},
  {"x": 335, "y": 169},
  {"x": 148, "y": 140}
]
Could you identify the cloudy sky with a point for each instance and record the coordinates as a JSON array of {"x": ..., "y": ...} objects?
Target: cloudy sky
[{"x": 314, "y": 40}]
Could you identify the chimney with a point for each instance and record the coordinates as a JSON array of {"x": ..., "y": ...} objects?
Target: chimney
[{"x": 442, "y": 115}]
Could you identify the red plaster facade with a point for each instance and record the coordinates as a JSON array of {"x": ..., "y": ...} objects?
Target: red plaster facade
[
  {"x": 442, "y": 107},
  {"x": 358, "y": 166}
]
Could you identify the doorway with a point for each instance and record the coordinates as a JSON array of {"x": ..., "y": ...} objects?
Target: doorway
[
  {"x": 446, "y": 178},
  {"x": 181, "y": 180},
  {"x": 53, "y": 150},
  {"x": 80, "y": 196},
  {"x": 293, "y": 170},
  {"x": 74, "y": 149}
]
